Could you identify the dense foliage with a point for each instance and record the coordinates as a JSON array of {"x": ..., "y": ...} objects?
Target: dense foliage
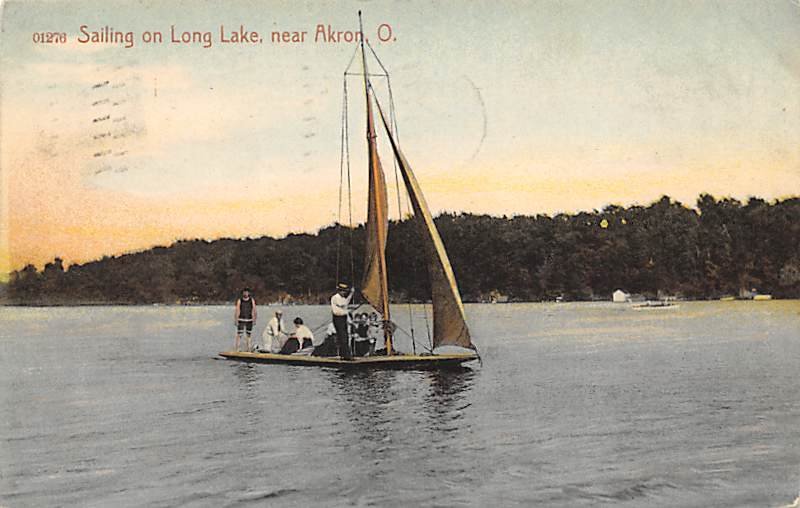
[{"x": 722, "y": 247}]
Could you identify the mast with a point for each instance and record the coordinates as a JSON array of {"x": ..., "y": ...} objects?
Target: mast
[{"x": 375, "y": 286}]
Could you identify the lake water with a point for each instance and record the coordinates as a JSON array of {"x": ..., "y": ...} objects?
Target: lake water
[{"x": 574, "y": 405}]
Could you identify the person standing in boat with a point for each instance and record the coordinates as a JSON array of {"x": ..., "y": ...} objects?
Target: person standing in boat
[
  {"x": 339, "y": 303},
  {"x": 244, "y": 318},
  {"x": 275, "y": 333}
]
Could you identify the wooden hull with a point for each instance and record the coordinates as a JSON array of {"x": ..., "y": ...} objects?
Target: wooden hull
[{"x": 415, "y": 362}]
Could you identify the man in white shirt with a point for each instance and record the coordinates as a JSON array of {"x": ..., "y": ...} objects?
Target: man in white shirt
[
  {"x": 339, "y": 303},
  {"x": 275, "y": 333}
]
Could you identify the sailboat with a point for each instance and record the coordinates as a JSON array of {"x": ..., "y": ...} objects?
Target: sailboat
[{"x": 449, "y": 320}]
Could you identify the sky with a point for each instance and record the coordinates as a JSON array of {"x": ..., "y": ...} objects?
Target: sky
[{"x": 503, "y": 108}]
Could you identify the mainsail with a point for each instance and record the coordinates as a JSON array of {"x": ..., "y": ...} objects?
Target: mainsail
[
  {"x": 374, "y": 286},
  {"x": 449, "y": 322}
]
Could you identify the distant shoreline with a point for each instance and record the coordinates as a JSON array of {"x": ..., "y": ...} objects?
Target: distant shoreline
[{"x": 300, "y": 304}]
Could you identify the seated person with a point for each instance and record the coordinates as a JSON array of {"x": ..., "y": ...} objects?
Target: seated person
[
  {"x": 300, "y": 341},
  {"x": 379, "y": 329},
  {"x": 361, "y": 326},
  {"x": 274, "y": 335},
  {"x": 326, "y": 346},
  {"x": 363, "y": 344}
]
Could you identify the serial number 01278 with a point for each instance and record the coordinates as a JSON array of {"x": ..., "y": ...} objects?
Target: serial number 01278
[{"x": 49, "y": 37}]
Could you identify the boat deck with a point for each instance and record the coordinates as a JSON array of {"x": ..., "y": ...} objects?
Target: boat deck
[{"x": 381, "y": 362}]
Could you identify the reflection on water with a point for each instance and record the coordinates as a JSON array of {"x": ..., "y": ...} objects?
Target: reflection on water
[
  {"x": 447, "y": 397},
  {"x": 246, "y": 374},
  {"x": 364, "y": 396},
  {"x": 370, "y": 396},
  {"x": 247, "y": 379},
  {"x": 367, "y": 385},
  {"x": 449, "y": 385}
]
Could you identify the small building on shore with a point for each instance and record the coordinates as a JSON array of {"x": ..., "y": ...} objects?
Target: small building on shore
[
  {"x": 620, "y": 296},
  {"x": 496, "y": 296},
  {"x": 753, "y": 294}
]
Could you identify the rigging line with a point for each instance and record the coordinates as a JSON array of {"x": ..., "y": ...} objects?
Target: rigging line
[
  {"x": 352, "y": 57},
  {"x": 392, "y": 117},
  {"x": 392, "y": 121},
  {"x": 396, "y": 180},
  {"x": 377, "y": 59},
  {"x": 368, "y": 75},
  {"x": 346, "y": 149},
  {"x": 411, "y": 321},
  {"x": 341, "y": 182},
  {"x": 349, "y": 186},
  {"x": 413, "y": 342},
  {"x": 396, "y": 134},
  {"x": 389, "y": 84},
  {"x": 326, "y": 323},
  {"x": 393, "y": 124},
  {"x": 396, "y": 130},
  {"x": 427, "y": 326}
]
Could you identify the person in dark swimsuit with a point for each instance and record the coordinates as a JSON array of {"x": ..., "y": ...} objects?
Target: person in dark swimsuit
[{"x": 245, "y": 318}]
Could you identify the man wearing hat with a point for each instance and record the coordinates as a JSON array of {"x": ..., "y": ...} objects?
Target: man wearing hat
[
  {"x": 339, "y": 303},
  {"x": 275, "y": 333}
]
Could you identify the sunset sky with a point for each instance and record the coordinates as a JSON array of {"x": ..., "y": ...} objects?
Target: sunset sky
[{"x": 503, "y": 108}]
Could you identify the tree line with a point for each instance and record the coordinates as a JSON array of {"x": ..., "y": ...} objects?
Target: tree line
[{"x": 720, "y": 247}]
